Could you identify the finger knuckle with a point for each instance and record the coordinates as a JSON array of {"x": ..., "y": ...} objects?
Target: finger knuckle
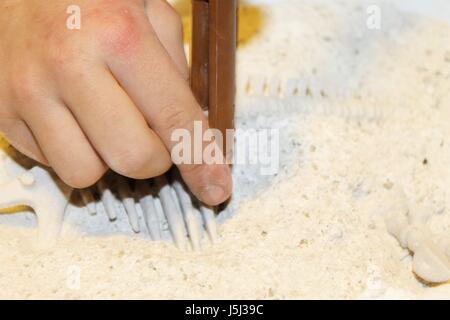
[
  {"x": 174, "y": 117},
  {"x": 121, "y": 34},
  {"x": 131, "y": 162},
  {"x": 80, "y": 178}
]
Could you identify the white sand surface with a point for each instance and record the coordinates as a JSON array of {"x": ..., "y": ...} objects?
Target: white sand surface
[{"x": 361, "y": 113}]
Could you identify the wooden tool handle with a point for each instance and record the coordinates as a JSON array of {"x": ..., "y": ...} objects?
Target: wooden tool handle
[
  {"x": 213, "y": 66},
  {"x": 200, "y": 52}
]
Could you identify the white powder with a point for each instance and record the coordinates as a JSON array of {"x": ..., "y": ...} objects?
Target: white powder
[{"x": 366, "y": 111}]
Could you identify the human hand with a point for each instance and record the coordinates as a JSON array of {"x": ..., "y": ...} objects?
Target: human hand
[{"x": 107, "y": 95}]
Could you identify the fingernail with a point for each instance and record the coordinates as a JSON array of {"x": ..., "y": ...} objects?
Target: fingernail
[{"x": 213, "y": 195}]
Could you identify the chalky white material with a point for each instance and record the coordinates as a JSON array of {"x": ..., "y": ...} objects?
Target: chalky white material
[
  {"x": 317, "y": 229},
  {"x": 431, "y": 262},
  {"x": 41, "y": 190}
]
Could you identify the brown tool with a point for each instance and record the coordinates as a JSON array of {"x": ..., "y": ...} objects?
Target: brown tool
[{"x": 213, "y": 61}]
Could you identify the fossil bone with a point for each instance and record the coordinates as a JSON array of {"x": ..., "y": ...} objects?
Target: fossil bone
[
  {"x": 158, "y": 202},
  {"x": 430, "y": 260},
  {"x": 43, "y": 192}
]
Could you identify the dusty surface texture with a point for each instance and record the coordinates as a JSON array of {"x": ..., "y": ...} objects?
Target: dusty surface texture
[{"x": 361, "y": 113}]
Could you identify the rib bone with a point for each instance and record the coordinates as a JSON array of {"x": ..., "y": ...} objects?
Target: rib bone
[{"x": 160, "y": 203}]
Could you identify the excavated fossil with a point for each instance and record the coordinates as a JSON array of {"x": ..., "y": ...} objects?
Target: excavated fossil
[
  {"x": 160, "y": 201},
  {"x": 431, "y": 259}
]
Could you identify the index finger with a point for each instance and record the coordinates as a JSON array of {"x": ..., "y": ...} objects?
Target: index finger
[{"x": 145, "y": 70}]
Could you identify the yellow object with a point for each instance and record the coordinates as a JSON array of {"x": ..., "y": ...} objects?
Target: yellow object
[{"x": 251, "y": 19}]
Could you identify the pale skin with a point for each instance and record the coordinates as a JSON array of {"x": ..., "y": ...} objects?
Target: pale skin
[{"x": 106, "y": 96}]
